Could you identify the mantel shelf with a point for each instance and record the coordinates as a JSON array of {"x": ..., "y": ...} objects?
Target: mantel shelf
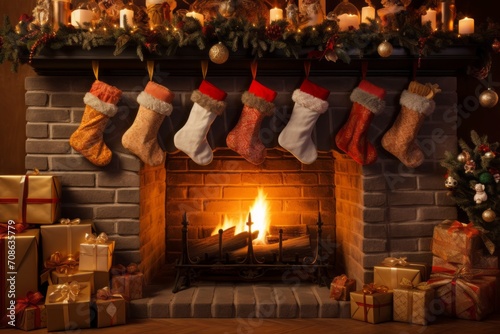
[{"x": 74, "y": 61}]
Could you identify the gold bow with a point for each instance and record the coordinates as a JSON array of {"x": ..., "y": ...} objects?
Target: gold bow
[
  {"x": 369, "y": 289},
  {"x": 62, "y": 264},
  {"x": 67, "y": 221},
  {"x": 67, "y": 292},
  {"x": 394, "y": 262},
  {"x": 91, "y": 238},
  {"x": 105, "y": 294}
]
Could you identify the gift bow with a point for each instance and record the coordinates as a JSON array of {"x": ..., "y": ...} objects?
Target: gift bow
[
  {"x": 91, "y": 238},
  {"x": 105, "y": 294},
  {"x": 369, "y": 289},
  {"x": 394, "y": 262},
  {"x": 407, "y": 284},
  {"x": 62, "y": 264},
  {"x": 67, "y": 292},
  {"x": 120, "y": 269},
  {"x": 31, "y": 299},
  {"x": 14, "y": 228},
  {"x": 336, "y": 286},
  {"x": 468, "y": 229},
  {"x": 67, "y": 221}
]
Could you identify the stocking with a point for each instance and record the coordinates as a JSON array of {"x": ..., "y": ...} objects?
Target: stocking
[
  {"x": 310, "y": 102},
  {"x": 100, "y": 105},
  {"x": 141, "y": 138},
  {"x": 244, "y": 138},
  {"x": 416, "y": 104},
  {"x": 367, "y": 101},
  {"x": 192, "y": 137}
]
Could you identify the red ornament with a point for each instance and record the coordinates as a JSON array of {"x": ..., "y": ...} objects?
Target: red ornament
[
  {"x": 483, "y": 148},
  {"x": 496, "y": 46},
  {"x": 274, "y": 32}
]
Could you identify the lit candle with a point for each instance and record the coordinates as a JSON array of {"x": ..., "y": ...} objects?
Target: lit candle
[
  {"x": 275, "y": 14},
  {"x": 367, "y": 12},
  {"x": 348, "y": 20},
  {"x": 430, "y": 16},
  {"x": 197, "y": 16},
  {"x": 81, "y": 17},
  {"x": 128, "y": 15},
  {"x": 466, "y": 26}
]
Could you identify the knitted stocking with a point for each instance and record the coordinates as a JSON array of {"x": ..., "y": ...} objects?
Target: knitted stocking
[
  {"x": 416, "y": 104},
  {"x": 192, "y": 137},
  {"x": 367, "y": 101},
  {"x": 310, "y": 102},
  {"x": 140, "y": 139},
  {"x": 100, "y": 105},
  {"x": 244, "y": 138}
]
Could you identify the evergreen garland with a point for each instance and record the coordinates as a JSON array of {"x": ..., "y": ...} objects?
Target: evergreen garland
[
  {"x": 478, "y": 164},
  {"x": 281, "y": 38}
]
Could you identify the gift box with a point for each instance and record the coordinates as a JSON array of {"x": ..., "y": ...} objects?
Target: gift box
[
  {"x": 412, "y": 304},
  {"x": 101, "y": 279},
  {"x": 30, "y": 312},
  {"x": 456, "y": 242},
  {"x": 440, "y": 265},
  {"x": 64, "y": 238},
  {"x": 127, "y": 281},
  {"x": 109, "y": 308},
  {"x": 68, "y": 306},
  {"x": 341, "y": 287},
  {"x": 79, "y": 276},
  {"x": 30, "y": 199},
  {"x": 18, "y": 266},
  {"x": 485, "y": 262},
  {"x": 372, "y": 307},
  {"x": 392, "y": 271},
  {"x": 96, "y": 254},
  {"x": 465, "y": 295}
]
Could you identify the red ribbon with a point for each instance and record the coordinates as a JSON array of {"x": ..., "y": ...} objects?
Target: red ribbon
[
  {"x": 32, "y": 299},
  {"x": 468, "y": 229},
  {"x": 367, "y": 307},
  {"x": 16, "y": 228}
]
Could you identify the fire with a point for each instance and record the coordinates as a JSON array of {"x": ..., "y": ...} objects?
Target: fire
[{"x": 260, "y": 218}]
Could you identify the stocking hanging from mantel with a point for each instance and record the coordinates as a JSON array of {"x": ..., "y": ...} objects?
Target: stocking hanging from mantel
[
  {"x": 257, "y": 104},
  {"x": 155, "y": 103},
  {"x": 310, "y": 103},
  {"x": 208, "y": 104},
  {"x": 100, "y": 106}
]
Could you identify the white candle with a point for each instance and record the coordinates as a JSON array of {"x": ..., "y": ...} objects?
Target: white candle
[
  {"x": 430, "y": 16},
  {"x": 466, "y": 26},
  {"x": 367, "y": 12},
  {"x": 127, "y": 14},
  {"x": 275, "y": 14},
  {"x": 81, "y": 16},
  {"x": 348, "y": 20},
  {"x": 197, "y": 16}
]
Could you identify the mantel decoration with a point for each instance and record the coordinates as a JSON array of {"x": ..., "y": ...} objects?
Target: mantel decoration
[{"x": 158, "y": 30}]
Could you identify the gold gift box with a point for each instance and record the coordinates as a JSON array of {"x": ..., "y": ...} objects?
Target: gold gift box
[
  {"x": 25, "y": 266},
  {"x": 28, "y": 320},
  {"x": 30, "y": 199},
  {"x": 393, "y": 276},
  {"x": 373, "y": 308},
  {"x": 80, "y": 276},
  {"x": 63, "y": 238},
  {"x": 111, "y": 312},
  {"x": 412, "y": 305},
  {"x": 68, "y": 315},
  {"x": 96, "y": 257},
  {"x": 454, "y": 245}
]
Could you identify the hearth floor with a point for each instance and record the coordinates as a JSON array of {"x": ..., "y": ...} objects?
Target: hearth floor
[{"x": 210, "y": 299}]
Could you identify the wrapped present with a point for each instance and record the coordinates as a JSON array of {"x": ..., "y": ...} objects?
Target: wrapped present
[
  {"x": 456, "y": 242},
  {"x": 411, "y": 304},
  {"x": 128, "y": 281},
  {"x": 485, "y": 262},
  {"x": 65, "y": 237},
  {"x": 109, "y": 308},
  {"x": 96, "y": 253},
  {"x": 101, "y": 279},
  {"x": 341, "y": 287},
  {"x": 31, "y": 199},
  {"x": 30, "y": 312},
  {"x": 18, "y": 265},
  {"x": 68, "y": 306},
  {"x": 393, "y": 270},
  {"x": 373, "y": 304},
  {"x": 466, "y": 294},
  {"x": 87, "y": 277}
]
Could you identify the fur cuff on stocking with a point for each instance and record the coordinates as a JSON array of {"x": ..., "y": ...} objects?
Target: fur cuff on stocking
[
  {"x": 259, "y": 103},
  {"x": 416, "y": 102},
  {"x": 210, "y": 104},
  {"x": 370, "y": 101},
  {"x": 108, "y": 109},
  {"x": 310, "y": 102},
  {"x": 152, "y": 103}
]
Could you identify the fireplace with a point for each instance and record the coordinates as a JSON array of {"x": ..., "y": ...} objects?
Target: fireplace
[{"x": 369, "y": 212}]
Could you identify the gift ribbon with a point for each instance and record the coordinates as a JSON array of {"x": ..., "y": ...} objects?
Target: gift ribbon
[
  {"x": 468, "y": 229},
  {"x": 92, "y": 254},
  {"x": 369, "y": 289},
  {"x": 31, "y": 299},
  {"x": 394, "y": 262},
  {"x": 65, "y": 293},
  {"x": 15, "y": 228},
  {"x": 68, "y": 222},
  {"x": 106, "y": 294},
  {"x": 66, "y": 265}
]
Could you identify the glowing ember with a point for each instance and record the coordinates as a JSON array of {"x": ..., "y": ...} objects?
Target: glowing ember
[{"x": 260, "y": 219}]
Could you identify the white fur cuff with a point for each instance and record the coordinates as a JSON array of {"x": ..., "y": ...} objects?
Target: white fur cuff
[
  {"x": 150, "y": 102},
  {"x": 417, "y": 102},
  {"x": 310, "y": 102},
  {"x": 105, "y": 108},
  {"x": 372, "y": 102}
]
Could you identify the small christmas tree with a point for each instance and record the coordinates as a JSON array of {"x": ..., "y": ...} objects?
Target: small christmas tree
[{"x": 473, "y": 179}]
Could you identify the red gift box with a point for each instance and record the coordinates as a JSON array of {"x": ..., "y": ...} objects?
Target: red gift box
[
  {"x": 127, "y": 281},
  {"x": 30, "y": 312}
]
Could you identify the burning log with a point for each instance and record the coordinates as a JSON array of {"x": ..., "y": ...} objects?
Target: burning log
[{"x": 292, "y": 249}]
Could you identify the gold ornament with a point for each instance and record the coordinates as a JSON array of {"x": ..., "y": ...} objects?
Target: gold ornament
[
  {"x": 489, "y": 215},
  {"x": 489, "y": 155},
  {"x": 488, "y": 98},
  {"x": 218, "y": 53},
  {"x": 384, "y": 49},
  {"x": 331, "y": 55},
  {"x": 461, "y": 157}
]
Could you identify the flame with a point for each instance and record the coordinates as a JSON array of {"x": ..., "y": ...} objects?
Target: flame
[{"x": 260, "y": 219}]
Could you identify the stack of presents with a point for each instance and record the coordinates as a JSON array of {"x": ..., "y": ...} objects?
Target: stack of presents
[
  {"x": 59, "y": 272},
  {"x": 462, "y": 282}
]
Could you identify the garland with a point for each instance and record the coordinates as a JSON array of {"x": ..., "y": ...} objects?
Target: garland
[{"x": 26, "y": 40}]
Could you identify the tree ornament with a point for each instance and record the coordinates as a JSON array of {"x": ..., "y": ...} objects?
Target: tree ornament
[
  {"x": 384, "y": 49},
  {"x": 480, "y": 195},
  {"x": 274, "y": 32},
  {"x": 331, "y": 55},
  {"x": 489, "y": 215},
  {"x": 495, "y": 46},
  {"x": 450, "y": 182},
  {"x": 486, "y": 178},
  {"x": 488, "y": 98},
  {"x": 489, "y": 155},
  {"x": 470, "y": 166},
  {"x": 218, "y": 53},
  {"x": 461, "y": 157}
]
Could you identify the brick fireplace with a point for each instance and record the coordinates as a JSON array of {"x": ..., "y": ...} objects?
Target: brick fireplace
[{"x": 370, "y": 212}]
